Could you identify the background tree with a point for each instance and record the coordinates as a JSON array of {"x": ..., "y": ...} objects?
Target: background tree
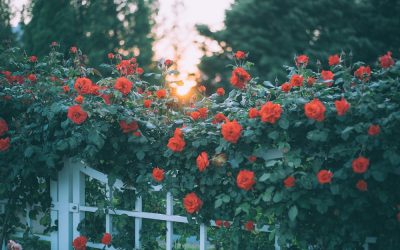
[
  {"x": 50, "y": 21},
  {"x": 138, "y": 30},
  {"x": 96, "y": 26},
  {"x": 101, "y": 29},
  {"x": 5, "y": 26},
  {"x": 274, "y": 31}
]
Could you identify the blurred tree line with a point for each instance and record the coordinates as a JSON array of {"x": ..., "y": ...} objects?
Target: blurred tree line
[
  {"x": 97, "y": 27},
  {"x": 274, "y": 31},
  {"x": 5, "y": 26}
]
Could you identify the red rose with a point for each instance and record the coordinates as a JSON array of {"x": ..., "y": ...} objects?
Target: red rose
[
  {"x": 79, "y": 243},
  {"x": 202, "y": 161},
  {"x": 126, "y": 67},
  {"x": 139, "y": 71},
  {"x": 33, "y": 59},
  {"x": 227, "y": 224},
  {"x": 253, "y": 113},
  {"x": 220, "y": 91},
  {"x": 192, "y": 203},
  {"x": 178, "y": 133},
  {"x": 106, "y": 98},
  {"x": 106, "y": 240},
  {"x": 202, "y": 88},
  {"x": 79, "y": 99},
  {"x": 4, "y": 144},
  {"x": 301, "y": 60},
  {"x": 386, "y": 61},
  {"x": 270, "y": 112},
  {"x": 218, "y": 223},
  {"x": 311, "y": 81},
  {"x": 342, "y": 106},
  {"x": 66, "y": 88},
  {"x": 203, "y": 112},
  {"x": 334, "y": 60},
  {"x": 76, "y": 114},
  {"x": 219, "y": 118},
  {"x": 289, "y": 182},
  {"x": 374, "y": 130},
  {"x": 324, "y": 176},
  {"x": 128, "y": 127},
  {"x": 147, "y": 103},
  {"x": 245, "y": 179},
  {"x": 286, "y": 87},
  {"x": 3, "y": 127},
  {"x": 195, "y": 115},
  {"x": 137, "y": 133},
  {"x": 315, "y": 110},
  {"x": 161, "y": 93},
  {"x": 252, "y": 158},
  {"x": 176, "y": 143},
  {"x": 296, "y": 80},
  {"x": 360, "y": 165},
  {"x": 231, "y": 131},
  {"x": 73, "y": 50},
  {"x": 123, "y": 85},
  {"x": 363, "y": 73},
  {"x": 83, "y": 85},
  {"x": 110, "y": 56},
  {"x": 362, "y": 185},
  {"x": 249, "y": 226},
  {"x": 327, "y": 76},
  {"x": 158, "y": 174},
  {"x": 240, "y": 55},
  {"x": 32, "y": 77},
  {"x": 168, "y": 62},
  {"x": 239, "y": 78}
]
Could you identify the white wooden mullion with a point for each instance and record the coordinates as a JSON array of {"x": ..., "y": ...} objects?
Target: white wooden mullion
[
  {"x": 138, "y": 221},
  {"x": 108, "y": 215},
  {"x": 64, "y": 193},
  {"x": 78, "y": 196},
  {"x": 203, "y": 236},
  {"x": 54, "y": 214},
  {"x": 170, "y": 229}
]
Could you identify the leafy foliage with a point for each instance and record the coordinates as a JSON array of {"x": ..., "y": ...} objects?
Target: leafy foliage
[
  {"x": 282, "y": 142},
  {"x": 275, "y": 31}
]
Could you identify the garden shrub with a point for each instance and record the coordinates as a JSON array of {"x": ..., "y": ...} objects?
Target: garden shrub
[{"x": 316, "y": 158}]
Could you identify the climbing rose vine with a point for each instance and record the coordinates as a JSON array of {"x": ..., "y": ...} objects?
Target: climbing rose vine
[{"x": 314, "y": 156}]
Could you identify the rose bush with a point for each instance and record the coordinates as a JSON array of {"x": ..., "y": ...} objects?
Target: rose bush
[{"x": 318, "y": 160}]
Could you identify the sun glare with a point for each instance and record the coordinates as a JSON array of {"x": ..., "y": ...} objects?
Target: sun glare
[{"x": 185, "y": 88}]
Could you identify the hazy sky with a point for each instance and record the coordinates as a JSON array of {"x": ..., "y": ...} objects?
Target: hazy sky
[{"x": 210, "y": 12}]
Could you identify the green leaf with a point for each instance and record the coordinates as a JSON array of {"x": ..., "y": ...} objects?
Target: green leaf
[
  {"x": 95, "y": 138},
  {"x": 264, "y": 177},
  {"x": 140, "y": 155},
  {"x": 317, "y": 135},
  {"x": 293, "y": 213},
  {"x": 273, "y": 135},
  {"x": 218, "y": 203},
  {"x": 284, "y": 123}
]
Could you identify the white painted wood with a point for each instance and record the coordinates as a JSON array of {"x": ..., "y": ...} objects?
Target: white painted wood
[
  {"x": 170, "y": 230},
  {"x": 54, "y": 214},
  {"x": 103, "y": 178},
  {"x": 143, "y": 215},
  {"x": 203, "y": 236},
  {"x": 64, "y": 199},
  {"x": 108, "y": 215},
  {"x": 78, "y": 196},
  {"x": 138, "y": 221},
  {"x": 70, "y": 191}
]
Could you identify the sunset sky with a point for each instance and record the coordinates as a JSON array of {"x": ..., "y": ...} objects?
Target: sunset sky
[{"x": 210, "y": 12}]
